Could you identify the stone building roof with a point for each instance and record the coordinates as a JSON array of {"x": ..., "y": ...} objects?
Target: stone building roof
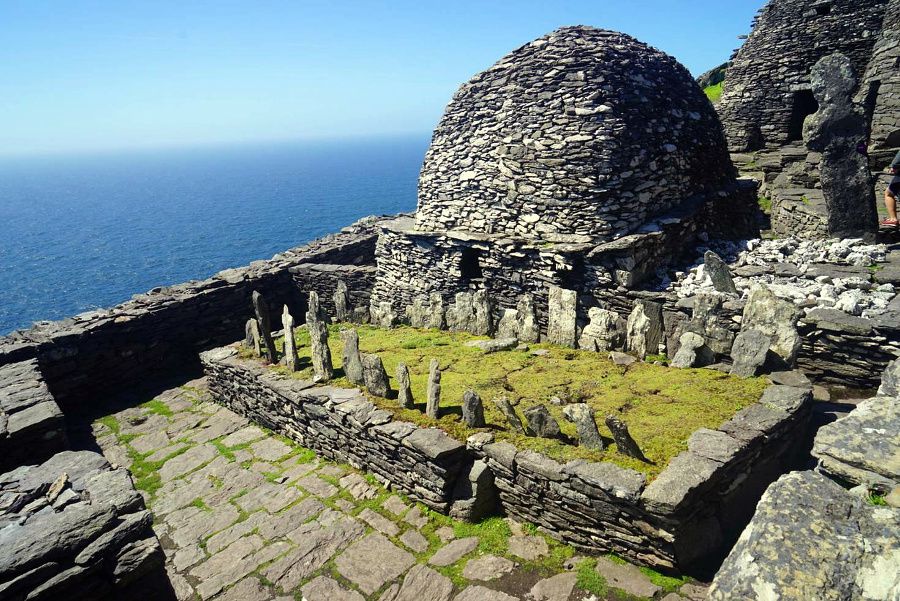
[{"x": 581, "y": 135}]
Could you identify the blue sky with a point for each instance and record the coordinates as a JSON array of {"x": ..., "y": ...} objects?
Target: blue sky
[{"x": 82, "y": 76}]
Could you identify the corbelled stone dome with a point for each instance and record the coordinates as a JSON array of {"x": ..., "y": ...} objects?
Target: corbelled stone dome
[{"x": 581, "y": 135}]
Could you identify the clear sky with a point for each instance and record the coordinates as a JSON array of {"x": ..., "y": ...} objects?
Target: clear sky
[{"x": 79, "y": 75}]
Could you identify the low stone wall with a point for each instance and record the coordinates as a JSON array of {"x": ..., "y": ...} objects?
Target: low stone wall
[
  {"x": 340, "y": 424},
  {"x": 687, "y": 516},
  {"x": 166, "y": 327},
  {"x": 324, "y": 278},
  {"x": 32, "y": 427},
  {"x": 74, "y": 528}
]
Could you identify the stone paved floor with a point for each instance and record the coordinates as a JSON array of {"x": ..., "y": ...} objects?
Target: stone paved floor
[{"x": 246, "y": 515}]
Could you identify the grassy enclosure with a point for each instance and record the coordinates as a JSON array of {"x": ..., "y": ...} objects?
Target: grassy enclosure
[{"x": 662, "y": 406}]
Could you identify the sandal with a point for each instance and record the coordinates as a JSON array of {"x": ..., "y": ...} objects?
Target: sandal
[{"x": 889, "y": 223}]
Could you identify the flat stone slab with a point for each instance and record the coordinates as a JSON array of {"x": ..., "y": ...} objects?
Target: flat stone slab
[
  {"x": 453, "y": 551},
  {"x": 415, "y": 541},
  {"x": 424, "y": 584},
  {"x": 480, "y": 593},
  {"x": 555, "y": 588},
  {"x": 627, "y": 578},
  {"x": 487, "y": 567},
  {"x": 528, "y": 547},
  {"x": 322, "y": 588},
  {"x": 372, "y": 562}
]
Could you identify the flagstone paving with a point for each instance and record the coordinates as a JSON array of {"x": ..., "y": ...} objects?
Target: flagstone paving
[{"x": 246, "y": 515}]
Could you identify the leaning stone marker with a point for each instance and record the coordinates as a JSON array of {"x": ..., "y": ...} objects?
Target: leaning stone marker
[
  {"x": 432, "y": 407},
  {"x": 582, "y": 416},
  {"x": 252, "y": 336},
  {"x": 562, "y": 316},
  {"x": 290, "y": 346},
  {"x": 692, "y": 352},
  {"x": 509, "y": 412},
  {"x": 265, "y": 325},
  {"x": 718, "y": 272},
  {"x": 350, "y": 357},
  {"x": 541, "y": 423},
  {"x": 341, "y": 302},
  {"x": 472, "y": 410},
  {"x": 625, "y": 444},
  {"x": 404, "y": 396},
  {"x": 376, "y": 378},
  {"x": 835, "y": 130}
]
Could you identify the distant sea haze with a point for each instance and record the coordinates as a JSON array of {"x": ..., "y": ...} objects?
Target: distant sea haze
[{"x": 79, "y": 233}]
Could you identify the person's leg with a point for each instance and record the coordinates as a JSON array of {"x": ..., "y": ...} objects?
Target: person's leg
[{"x": 890, "y": 203}]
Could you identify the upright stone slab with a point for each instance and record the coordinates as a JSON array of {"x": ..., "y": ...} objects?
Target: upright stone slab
[
  {"x": 473, "y": 410},
  {"x": 645, "y": 328},
  {"x": 460, "y": 313},
  {"x": 582, "y": 416},
  {"x": 291, "y": 361},
  {"x": 483, "y": 321},
  {"x": 528, "y": 327},
  {"x": 252, "y": 337},
  {"x": 509, "y": 412},
  {"x": 625, "y": 444},
  {"x": 404, "y": 391},
  {"x": 602, "y": 333},
  {"x": 318, "y": 340},
  {"x": 508, "y": 326},
  {"x": 692, "y": 352},
  {"x": 775, "y": 318},
  {"x": 265, "y": 326},
  {"x": 719, "y": 273},
  {"x": 541, "y": 423},
  {"x": 432, "y": 407},
  {"x": 749, "y": 353},
  {"x": 342, "y": 302},
  {"x": 383, "y": 315},
  {"x": 437, "y": 318},
  {"x": 350, "y": 357},
  {"x": 835, "y": 130},
  {"x": 562, "y": 316},
  {"x": 375, "y": 376},
  {"x": 417, "y": 313}
]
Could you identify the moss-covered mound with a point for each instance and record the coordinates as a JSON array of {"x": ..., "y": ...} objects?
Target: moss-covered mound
[{"x": 662, "y": 406}]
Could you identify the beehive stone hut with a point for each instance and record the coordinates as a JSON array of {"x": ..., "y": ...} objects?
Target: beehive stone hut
[
  {"x": 581, "y": 159},
  {"x": 767, "y": 92},
  {"x": 880, "y": 91}
]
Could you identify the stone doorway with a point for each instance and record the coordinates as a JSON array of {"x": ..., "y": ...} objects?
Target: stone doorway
[{"x": 803, "y": 105}]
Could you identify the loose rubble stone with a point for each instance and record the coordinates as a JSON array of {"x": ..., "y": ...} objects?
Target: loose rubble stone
[
  {"x": 404, "y": 391},
  {"x": 433, "y": 404},
  {"x": 290, "y": 346},
  {"x": 621, "y": 359},
  {"x": 775, "y": 318},
  {"x": 541, "y": 423},
  {"x": 473, "y": 410},
  {"x": 265, "y": 325},
  {"x": 375, "y": 377},
  {"x": 692, "y": 352},
  {"x": 625, "y": 444},
  {"x": 582, "y": 416},
  {"x": 562, "y": 316},
  {"x": 351, "y": 358}
]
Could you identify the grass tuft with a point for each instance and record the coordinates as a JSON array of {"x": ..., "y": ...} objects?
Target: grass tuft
[{"x": 714, "y": 92}]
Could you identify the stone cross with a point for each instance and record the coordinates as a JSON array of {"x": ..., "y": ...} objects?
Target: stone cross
[
  {"x": 404, "y": 396},
  {"x": 350, "y": 358},
  {"x": 375, "y": 376},
  {"x": 432, "y": 408},
  {"x": 473, "y": 410},
  {"x": 291, "y": 360},
  {"x": 582, "y": 416},
  {"x": 251, "y": 336},
  {"x": 265, "y": 326},
  {"x": 318, "y": 340},
  {"x": 625, "y": 444},
  {"x": 562, "y": 316},
  {"x": 341, "y": 302},
  {"x": 541, "y": 423}
]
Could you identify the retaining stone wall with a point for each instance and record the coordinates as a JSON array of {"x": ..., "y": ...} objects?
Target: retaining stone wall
[{"x": 324, "y": 278}]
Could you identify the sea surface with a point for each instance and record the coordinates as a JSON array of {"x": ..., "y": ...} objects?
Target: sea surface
[{"x": 78, "y": 233}]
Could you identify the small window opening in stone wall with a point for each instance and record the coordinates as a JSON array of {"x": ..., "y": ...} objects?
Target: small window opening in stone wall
[
  {"x": 804, "y": 105},
  {"x": 893, "y": 139},
  {"x": 470, "y": 264},
  {"x": 871, "y": 99},
  {"x": 822, "y": 8}
]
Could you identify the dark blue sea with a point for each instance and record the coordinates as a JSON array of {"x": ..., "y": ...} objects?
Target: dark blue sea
[{"x": 78, "y": 233}]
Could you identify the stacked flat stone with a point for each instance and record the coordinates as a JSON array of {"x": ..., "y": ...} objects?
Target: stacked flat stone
[
  {"x": 74, "y": 528},
  {"x": 788, "y": 37},
  {"x": 31, "y": 424},
  {"x": 882, "y": 73}
]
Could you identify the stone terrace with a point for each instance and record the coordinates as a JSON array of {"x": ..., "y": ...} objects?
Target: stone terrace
[{"x": 244, "y": 515}]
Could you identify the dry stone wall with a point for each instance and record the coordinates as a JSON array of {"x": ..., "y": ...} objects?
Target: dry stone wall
[{"x": 880, "y": 92}]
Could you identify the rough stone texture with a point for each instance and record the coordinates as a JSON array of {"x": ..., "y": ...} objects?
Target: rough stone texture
[
  {"x": 562, "y": 320},
  {"x": 881, "y": 88},
  {"x": 472, "y": 410},
  {"x": 626, "y": 578},
  {"x": 528, "y": 327},
  {"x": 86, "y": 535},
  {"x": 863, "y": 447},
  {"x": 252, "y": 340},
  {"x": 890, "y": 380},
  {"x": 645, "y": 328},
  {"x": 692, "y": 352},
  {"x": 404, "y": 390},
  {"x": 834, "y": 131},
  {"x": 261, "y": 308},
  {"x": 751, "y": 347},
  {"x": 625, "y": 444},
  {"x": 433, "y": 401},
  {"x": 811, "y": 539},
  {"x": 373, "y": 561},
  {"x": 494, "y": 345},
  {"x": 775, "y": 318},
  {"x": 351, "y": 360},
  {"x": 541, "y": 423},
  {"x": 375, "y": 377},
  {"x": 472, "y": 313},
  {"x": 290, "y": 346},
  {"x": 487, "y": 567},
  {"x": 603, "y": 333},
  {"x": 718, "y": 273},
  {"x": 31, "y": 424},
  {"x": 763, "y": 102},
  {"x": 342, "y": 306},
  {"x": 318, "y": 339},
  {"x": 453, "y": 551},
  {"x": 582, "y": 416},
  {"x": 509, "y": 412}
]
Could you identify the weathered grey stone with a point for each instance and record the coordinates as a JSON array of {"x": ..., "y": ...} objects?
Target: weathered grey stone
[
  {"x": 529, "y": 330},
  {"x": 582, "y": 416},
  {"x": 625, "y": 444},
  {"x": 471, "y": 313},
  {"x": 627, "y": 578},
  {"x": 686, "y": 476},
  {"x": 422, "y": 583},
  {"x": 854, "y": 554},
  {"x": 383, "y": 315},
  {"x": 341, "y": 302},
  {"x": 265, "y": 325},
  {"x": 714, "y": 445},
  {"x": 252, "y": 339},
  {"x": 487, "y": 567},
  {"x": 718, "y": 273},
  {"x": 562, "y": 316},
  {"x": 751, "y": 347},
  {"x": 494, "y": 345},
  {"x": 473, "y": 410},
  {"x": 508, "y": 326},
  {"x": 480, "y": 593},
  {"x": 322, "y": 588},
  {"x": 373, "y": 561},
  {"x": 793, "y": 377},
  {"x": 437, "y": 318},
  {"x": 602, "y": 333},
  {"x": 509, "y": 412},
  {"x": 775, "y": 318},
  {"x": 414, "y": 540},
  {"x": 644, "y": 330},
  {"x": 890, "y": 380},
  {"x": 136, "y": 560},
  {"x": 453, "y": 551},
  {"x": 433, "y": 402},
  {"x": 554, "y": 588},
  {"x": 621, "y": 359},
  {"x": 692, "y": 352},
  {"x": 528, "y": 547},
  {"x": 291, "y": 360},
  {"x": 433, "y": 443},
  {"x": 375, "y": 377},
  {"x": 318, "y": 340},
  {"x": 350, "y": 357},
  {"x": 541, "y": 423},
  {"x": 404, "y": 391},
  {"x": 483, "y": 324},
  {"x": 617, "y": 482}
]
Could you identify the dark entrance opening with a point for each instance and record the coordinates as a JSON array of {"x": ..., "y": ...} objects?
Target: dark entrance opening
[
  {"x": 470, "y": 265},
  {"x": 804, "y": 105},
  {"x": 871, "y": 99},
  {"x": 893, "y": 139}
]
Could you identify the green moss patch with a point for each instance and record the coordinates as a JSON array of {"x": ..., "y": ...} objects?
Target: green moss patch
[
  {"x": 662, "y": 406},
  {"x": 714, "y": 92}
]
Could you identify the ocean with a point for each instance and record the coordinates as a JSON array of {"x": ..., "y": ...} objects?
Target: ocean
[{"x": 79, "y": 233}]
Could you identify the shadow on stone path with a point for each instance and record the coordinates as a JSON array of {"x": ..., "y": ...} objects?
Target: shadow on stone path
[{"x": 246, "y": 515}]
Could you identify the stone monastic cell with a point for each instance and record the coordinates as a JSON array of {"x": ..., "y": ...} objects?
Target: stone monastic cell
[
  {"x": 350, "y": 357},
  {"x": 318, "y": 340},
  {"x": 342, "y": 302},
  {"x": 541, "y": 423},
  {"x": 265, "y": 326},
  {"x": 582, "y": 416},
  {"x": 644, "y": 329},
  {"x": 404, "y": 391},
  {"x": 473, "y": 410},
  {"x": 835, "y": 130},
  {"x": 719, "y": 273},
  {"x": 602, "y": 332},
  {"x": 375, "y": 377},
  {"x": 509, "y": 412},
  {"x": 625, "y": 444},
  {"x": 528, "y": 327},
  {"x": 291, "y": 361},
  {"x": 252, "y": 337},
  {"x": 562, "y": 314},
  {"x": 433, "y": 403}
]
